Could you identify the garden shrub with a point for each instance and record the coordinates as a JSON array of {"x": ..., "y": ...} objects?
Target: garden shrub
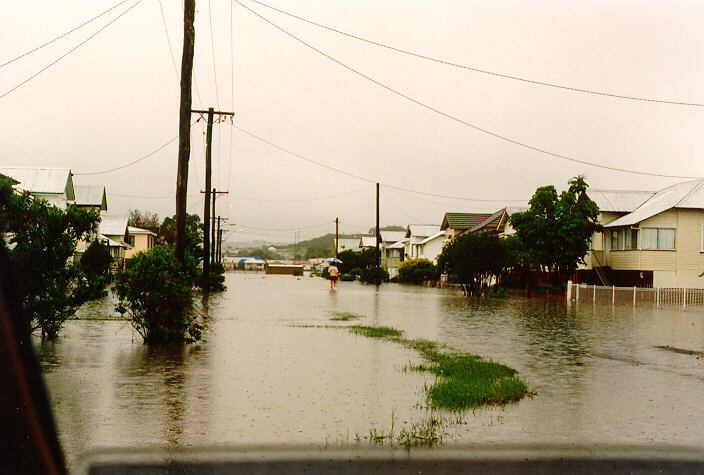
[
  {"x": 355, "y": 271},
  {"x": 347, "y": 277},
  {"x": 156, "y": 294},
  {"x": 417, "y": 271},
  {"x": 369, "y": 273},
  {"x": 95, "y": 263}
]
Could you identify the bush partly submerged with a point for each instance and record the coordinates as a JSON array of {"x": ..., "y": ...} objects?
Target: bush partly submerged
[{"x": 156, "y": 294}]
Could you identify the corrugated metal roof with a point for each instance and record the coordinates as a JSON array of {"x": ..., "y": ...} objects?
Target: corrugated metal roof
[
  {"x": 368, "y": 241},
  {"x": 623, "y": 201},
  {"x": 434, "y": 236},
  {"x": 110, "y": 243},
  {"x": 392, "y": 236},
  {"x": 398, "y": 244},
  {"x": 87, "y": 195},
  {"x": 463, "y": 220},
  {"x": 346, "y": 244},
  {"x": 688, "y": 194},
  {"x": 135, "y": 230},
  {"x": 113, "y": 225},
  {"x": 42, "y": 180},
  {"x": 421, "y": 230}
]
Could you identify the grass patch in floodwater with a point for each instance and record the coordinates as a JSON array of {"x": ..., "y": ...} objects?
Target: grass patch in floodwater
[
  {"x": 100, "y": 319},
  {"x": 465, "y": 381},
  {"x": 387, "y": 333},
  {"x": 345, "y": 316}
]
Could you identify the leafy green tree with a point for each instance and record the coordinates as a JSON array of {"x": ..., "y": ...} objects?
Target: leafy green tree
[
  {"x": 95, "y": 263},
  {"x": 156, "y": 293},
  {"x": 417, "y": 271},
  {"x": 472, "y": 260},
  {"x": 42, "y": 240},
  {"x": 194, "y": 234},
  {"x": 555, "y": 232},
  {"x": 357, "y": 260}
]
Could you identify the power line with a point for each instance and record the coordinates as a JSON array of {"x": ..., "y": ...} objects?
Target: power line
[
  {"x": 69, "y": 51},
  {"x": 63, "y": 35},
  {"x": 413, "y": 220},
  {"x": 249, "y": 198},
  {"x": 286, "y": 229},
  {"x": 409, "y": 195},
  {"x": 451, "y": 117},
  {"x": 483, "y": 71}
]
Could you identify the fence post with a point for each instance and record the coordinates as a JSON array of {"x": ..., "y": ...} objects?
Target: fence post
[
  {"x": 634, "y": 295},
  {"x": 684, "y": 298},
  {"x": 613, "y": 294},
  {"x": 594, "y": 296},
  {"x": 569, "y": 290}
]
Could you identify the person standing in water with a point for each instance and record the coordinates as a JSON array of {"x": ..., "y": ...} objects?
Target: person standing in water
[{"x": 333, "y": 272}]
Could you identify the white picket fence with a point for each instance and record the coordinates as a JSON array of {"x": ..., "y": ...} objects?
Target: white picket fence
[{"x": 659, "y": 297}]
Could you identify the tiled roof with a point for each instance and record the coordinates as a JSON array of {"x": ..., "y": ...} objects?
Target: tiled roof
[{"x": 463, "y": 220}]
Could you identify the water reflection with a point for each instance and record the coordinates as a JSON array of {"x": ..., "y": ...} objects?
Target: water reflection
[{"x": 259, "y": 377}]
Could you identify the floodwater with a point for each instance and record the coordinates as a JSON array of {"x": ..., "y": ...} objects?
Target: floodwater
[{"x": 265, "y": 374}]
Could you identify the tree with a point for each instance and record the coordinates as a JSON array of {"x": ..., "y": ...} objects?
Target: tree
[
  {"x": 472, "y": 260},
  {"x": 156, "y": 293},
  {"x": 194, "y": 234},
  {"x": 144, "y": 220},
  {"x": 42, "y": 240},
  {"x": 372, "y": 230},
  {"x": 95, "y": 263},
  {"x": 556, "y": 230},
  {"x": 357, "y": 260}
]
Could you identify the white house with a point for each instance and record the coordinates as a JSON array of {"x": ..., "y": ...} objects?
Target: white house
[
  {"x": 54, "y": 185},
  {"x": 415, "y": 233},
  {"x": 431, "y": 247}
]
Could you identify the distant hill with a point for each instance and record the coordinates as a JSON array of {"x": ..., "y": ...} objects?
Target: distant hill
[{"x": 321, "y": 246}]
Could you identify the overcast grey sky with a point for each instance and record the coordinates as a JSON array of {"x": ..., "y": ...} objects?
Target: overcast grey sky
[{"x": 116, "y": 98}]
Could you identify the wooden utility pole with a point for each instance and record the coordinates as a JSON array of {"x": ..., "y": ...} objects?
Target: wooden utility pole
[
  {"x": 217, "y": 249},
  {"x": 184, "y": 126},
  {"x": 208, "y": 243},
  {"x": 206, "y": 209},
  {"x": 337, "y": 223},
  {"x": 212, "y": 250},
  {"x": 377, "y": 280}
]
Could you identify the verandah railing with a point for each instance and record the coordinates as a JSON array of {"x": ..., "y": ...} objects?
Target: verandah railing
[{"x": 657, "y": 296}]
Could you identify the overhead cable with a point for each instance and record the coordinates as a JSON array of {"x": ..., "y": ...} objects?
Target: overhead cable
[
  {"x": 69, "y": 51},
  {"x": 483, "y": 71},
  {"x": 453, "y": 118},
  {"x": 63, "y": 35}
]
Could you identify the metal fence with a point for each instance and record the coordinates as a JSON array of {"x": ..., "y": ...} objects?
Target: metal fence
[{"x": 658, "y": 297}]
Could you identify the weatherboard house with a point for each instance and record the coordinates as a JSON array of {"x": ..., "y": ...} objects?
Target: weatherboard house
[
  {"x": 54, "y": 185},
  {"x": 650, "y": 239}
]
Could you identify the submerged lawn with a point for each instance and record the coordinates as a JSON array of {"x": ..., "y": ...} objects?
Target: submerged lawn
[{"x": 465, "y": 381}]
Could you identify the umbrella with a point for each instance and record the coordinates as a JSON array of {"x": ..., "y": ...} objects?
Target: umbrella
[{"x": 334, "y": 259}]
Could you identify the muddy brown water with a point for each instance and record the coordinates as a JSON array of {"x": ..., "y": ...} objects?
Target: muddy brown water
[{"x": 256, "y": 378}]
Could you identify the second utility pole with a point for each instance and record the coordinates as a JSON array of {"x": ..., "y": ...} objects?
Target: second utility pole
[
  {"x": 206, "y": 211},
  {"x": 377, "y": 278}
]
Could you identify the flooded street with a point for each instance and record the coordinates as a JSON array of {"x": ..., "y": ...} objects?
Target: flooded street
[{"x": 263, "y": 375}]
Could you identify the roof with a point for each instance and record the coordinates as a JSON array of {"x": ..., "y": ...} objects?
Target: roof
[
  {"x": 106, "y": 240},
  {"x": 368, "y": 241},
  {"x": 135, "y": 230},
  {"x": 688, "y": 194},
  {"x": 463, "y": 220},
  {"x": 433, "y": 237},
  {"x": 491, "y": 222},
  {"x": 87, "y": 195},
  {"x": 392, "y": 236},
  {"x": 113, "y": 225},
  {"x": 42, "y": 180},
  {"x": 401, "y": 244},
  {"x": 623, "y": 201},
  {"x": 345, "y": 244},
  {"x": 421, "y": 230},
  {"x": 12, "y": 180}
]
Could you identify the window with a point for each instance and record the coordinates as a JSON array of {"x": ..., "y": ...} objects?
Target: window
[
  {"x": 624, "y": 239},
  {"x": 659, "y": 238},
  {"x": 130, "y": 240}
]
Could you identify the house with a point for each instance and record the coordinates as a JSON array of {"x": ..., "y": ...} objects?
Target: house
[
  {"x": 455, "y": 224},
  {"x": 114, "y": 233},
  {"x": 431, "y": 247},
  {"x": 54, "y": 185},
  {"x": 393, "y": 255},
  {"x": 415, "y": 233},
  {"x": 498, "y": 222},
  {"x": 366, "y": 242},
  {"x": 89, "y": 197},
  {"x": 139, "y": 240},
  {"x": 660, "y": 242}
]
